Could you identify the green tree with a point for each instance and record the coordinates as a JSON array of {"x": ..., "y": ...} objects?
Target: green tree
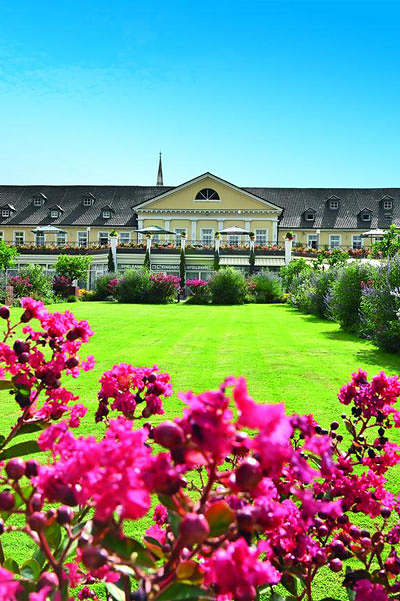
[
  {"x": 252, "y": 261},
  {"x": 389, "y": 246},
  {"x": 111, "y": 266},
  {"x": 182, "y": 268},
  {"x": 146, "y": 263},
  {"x": 7, "y": 255},
  {"x": 73, "y": 267}
]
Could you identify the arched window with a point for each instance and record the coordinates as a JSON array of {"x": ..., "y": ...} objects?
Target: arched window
[{"x": 207, "y": 194}]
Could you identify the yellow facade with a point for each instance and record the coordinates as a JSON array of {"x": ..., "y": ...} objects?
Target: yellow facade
[
  {"x": 203, "y": 218},
  {"x": 324, "y": 237},
  {"x": 11, "y": 234}
]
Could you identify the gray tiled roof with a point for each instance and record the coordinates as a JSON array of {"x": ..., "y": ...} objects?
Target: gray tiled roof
[
  {"x": 120, "y": 198},
  {"x": 295, "y": 201},
  {"x": 123, "y": 199}
]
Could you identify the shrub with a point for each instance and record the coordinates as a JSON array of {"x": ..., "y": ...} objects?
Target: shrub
[
  {"x": 33, "y": 281},
  {"x": 133, "y": 287},
  {"x": 239, "y": 513},
  {"x": 21, "y": 285},
  {"x": 72, "y": 298},
  {"x": 200, "y": 292},
  {"x": 163, "y": 288},
  {"x": 291, "y": 271},
  {"x": 228, "y": 287},
  {"x": 105, "y": 287},
  {"x": 345, "y": 300},
  {"x": 62, "y": 285},
  {"x": 267, "y": 288},
  {"x": 73, "y": 267},
  {"x": 380, "y": 306}
]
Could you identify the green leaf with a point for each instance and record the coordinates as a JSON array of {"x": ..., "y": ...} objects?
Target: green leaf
[
  {"x": 40, "y": 557},
  {"x": 351, "y": 594},
  {"x": 11, "y": 565},
  {"x": 31, "y": 570},
  {"x": 167, "y": 502},
  {"x": 290, "y": 583},
  {"x": 125, "y": 547},
  {"x": 53, "y": 535},
  {"x": 29, "y": 427},
  {"x": 5, "y": 384},
  {"x": 219, "y": 517},
  {"x": 115, "y": 592},
  {"x": 276, "y": 597},
  {"x": 174, "y": 520},
  {"x": 29, "y": 447},
  {"x": 183, "y": 592}
]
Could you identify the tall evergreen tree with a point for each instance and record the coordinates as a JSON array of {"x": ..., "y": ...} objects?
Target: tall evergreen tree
[
  {"x": 182, "y": 269},
  {"x": 111, "y": 266}
]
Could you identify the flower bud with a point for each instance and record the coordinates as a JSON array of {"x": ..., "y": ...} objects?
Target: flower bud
[
  {"x": 4, "y": 312},
  {"x": 37, "y": 521},
  {"x": 72, "y": 362},
  {"x": 20, "y": 346},
  {"x": 23, "y": 400},
  {"x": 386, "y": 513},
  {"x": 169, "y": 435},
  {"x": 23, "y": 358},
  {"x": 64, "y": 515},
  {"x": 335, "y": 565},
  {"x": 194, "y": 529},
  {"x": 48, "y": 579},
  {"x": 26, "y": 316},
  {"x": 94, "y": 558},
  {"x": 36, "y": 502},
  {"x": 248, "y": 474},
  {"x": 7, "y": 500},
  {"x": 32, "y": 468},
  {"x": 334, "y": 425},
  {"x": 15, "y": 468}
]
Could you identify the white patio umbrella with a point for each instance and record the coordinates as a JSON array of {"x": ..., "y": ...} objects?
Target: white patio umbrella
[
  {"x": 234, "y": 230},
  {"x": 48, "y": 229},
  {"x": 153, "y": 229},
  {"x": 373, "y": 233}
]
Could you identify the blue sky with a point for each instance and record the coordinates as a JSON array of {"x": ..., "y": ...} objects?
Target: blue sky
[{"x": 259, "y": 92}]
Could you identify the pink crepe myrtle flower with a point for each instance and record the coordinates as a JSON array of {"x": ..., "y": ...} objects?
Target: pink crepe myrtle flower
[
  {"x": 9, "y": 587},
  {"x": 367, "y": 591},
  {"x": 237, "y": 570}
]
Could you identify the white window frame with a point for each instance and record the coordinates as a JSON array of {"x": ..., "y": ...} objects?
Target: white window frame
[
  {"x": 15, "y": 236},
  {"x": 234, "y": 239},
  {"x": 310, "y": 216},
  {"x": 127, "y": 235},
  {"x": 387, "y": 205},
  {"x": 366, "y": 217},
  {"x": 85, "y": 234},
  {"x": 332, "y": 246},
  {"x": 206, "y": 229},
  {"x": 65, "y": 239},
  {"x": 312, "y": 238},
  {"x": 207, "y": 199},
  {"x": 104, "y": 235},
  {"x": 177, "y": 234},
  {"x": 37, "y": 201},
  {"x": 54, "y": 214},
  {"x": 156, "y": 238},
  {"x": 107, "y": 214},
  {"x": 87, "y": 201},
  {"x": 334, "y": 204},
  {"x": 261, "y": 236},
  {"x": 5, "y": 212},
  {"x": 41, "y": 236},
  {"x": 360, "y": 239}
]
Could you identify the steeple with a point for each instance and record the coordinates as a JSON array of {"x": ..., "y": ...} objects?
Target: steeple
[{"x": 160, "y": 174}]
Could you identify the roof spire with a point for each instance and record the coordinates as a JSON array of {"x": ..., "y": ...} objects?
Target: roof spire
[{"x": 160, "y": 173}]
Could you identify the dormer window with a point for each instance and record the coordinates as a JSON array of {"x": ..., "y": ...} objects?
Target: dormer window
[
  {"x": 387, "y": 205},
  {"x": 88, "y": 200},
  {"x": 207, "y": 194},
  {"x": 106, "y": 214},
  {"x": 55, "y": 211},
  {"x": 310, "y": 215},
  {"x": 365, "y": 216},
  {"x": 39, "y": 199},
  {"x": 333, "y": 202},
  {"x": 54, "y": 214},
  {"x": 5, "y": 213}
]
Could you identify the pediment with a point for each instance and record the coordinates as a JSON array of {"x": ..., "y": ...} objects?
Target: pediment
[{"x": 197, "y": 194}]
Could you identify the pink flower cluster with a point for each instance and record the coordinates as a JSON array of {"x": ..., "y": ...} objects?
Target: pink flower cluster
[
  {"x": 127, "y": 387},
  {"x": 194, "y": 284},
  {"x": 33, "y": 371},
  {"x": 165, "y": 279}
]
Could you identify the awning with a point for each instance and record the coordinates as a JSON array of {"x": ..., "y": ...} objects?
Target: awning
[{"x": 259, "y": 261}]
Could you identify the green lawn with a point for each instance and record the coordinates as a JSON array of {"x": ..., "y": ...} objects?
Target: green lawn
[{"x": 284, "y": 355}]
